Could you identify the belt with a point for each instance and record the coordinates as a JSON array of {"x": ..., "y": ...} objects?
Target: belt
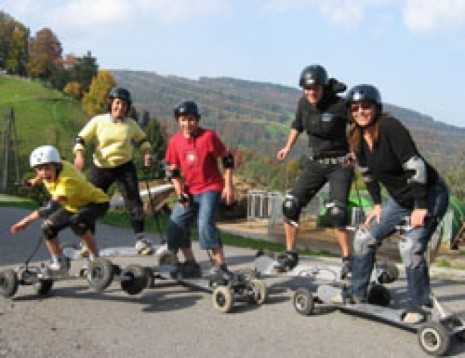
[{"x": 330, "y": 160}]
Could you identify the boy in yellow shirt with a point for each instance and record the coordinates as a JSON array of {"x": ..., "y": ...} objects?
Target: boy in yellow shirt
[{"x": 74, "y": 202}]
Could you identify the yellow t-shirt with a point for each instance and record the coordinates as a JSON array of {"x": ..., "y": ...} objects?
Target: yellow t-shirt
[
  {"x": 75, "y": 189},
  {"x": 114, "y": 139}
]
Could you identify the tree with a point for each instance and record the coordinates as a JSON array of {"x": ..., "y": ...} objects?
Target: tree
[
  {"x": 95, "y": 100},
  {"x": 16, "y": 59},
  {"x": 14, "y": 38},
  {"x": 84, "y": 70},
  {"x": 45, "y": 53},
  {"x": 73, "y": 89},
  {"x": 156, "y": 133}
]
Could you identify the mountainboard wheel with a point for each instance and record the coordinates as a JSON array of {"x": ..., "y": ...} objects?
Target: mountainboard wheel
[
  {"x": 99, "y": 274},
  {"x": 434, "y": 338},
  {"x": 42, "y": 287},
  {"x": 460, "y": 336},
  {"x": 388, "y": 272},
  {"x": 262, "y": 290},
  {"x": 150, "y": 277},
  {"x": 8, "y": 283},
  {"x": 223, "y": 300},
  {"x": 304, "y": 302},
  {"x": 133, "y": 279},
  {"x": 378, "y": 295}
]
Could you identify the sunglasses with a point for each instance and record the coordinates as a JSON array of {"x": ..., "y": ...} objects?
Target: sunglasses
[{"x": 355, "y": 107}]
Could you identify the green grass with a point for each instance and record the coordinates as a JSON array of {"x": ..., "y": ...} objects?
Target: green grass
[
  {"x": 42, "y": 115},
  {"x": 17, "y": 202}
]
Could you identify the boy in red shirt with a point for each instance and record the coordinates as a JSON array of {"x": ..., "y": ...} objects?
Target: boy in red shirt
[{"x": 195, "y": 151}]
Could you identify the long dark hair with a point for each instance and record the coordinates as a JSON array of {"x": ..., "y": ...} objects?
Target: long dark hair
[{"x": 356, "y": 132}]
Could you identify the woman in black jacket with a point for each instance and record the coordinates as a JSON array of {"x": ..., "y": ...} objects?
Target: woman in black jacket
[{"x": 387, "y": 155}]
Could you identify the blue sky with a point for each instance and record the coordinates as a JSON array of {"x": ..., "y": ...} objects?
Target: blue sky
[{"x": 412, "y": 50}]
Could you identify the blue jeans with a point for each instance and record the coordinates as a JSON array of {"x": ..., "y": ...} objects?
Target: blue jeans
[
  {"x": 204, "y": 206},
  {"x": 418, "y": 281}
]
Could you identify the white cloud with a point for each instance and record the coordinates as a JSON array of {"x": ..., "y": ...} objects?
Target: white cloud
[
  {"x": 342, "y": 12},
  {"x": 84, "y": 17},
  {"x": 434, "y": 15}
]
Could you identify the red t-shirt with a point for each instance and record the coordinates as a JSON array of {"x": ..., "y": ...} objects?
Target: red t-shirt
[{"x": 198, "y": 159}]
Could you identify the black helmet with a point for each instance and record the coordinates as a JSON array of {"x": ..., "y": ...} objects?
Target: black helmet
[
  {"x": 313, "y": 75},
  {"x": 187, "y": 107},
  {"x": 121, "y": 93},
  {"x": 364, "y": 93}
]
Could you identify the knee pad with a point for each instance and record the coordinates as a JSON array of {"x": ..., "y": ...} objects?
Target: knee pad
[
  {"x": 137, "y": 213},
  {"x": 364, "y": 242},
  {"x": 78, "y": 226},
  {"x": 291, "y": 209},
  {"x": 49, "y": 230},
  {"x": 337, "y": 213},
  {"x": 411, "y": 252}
]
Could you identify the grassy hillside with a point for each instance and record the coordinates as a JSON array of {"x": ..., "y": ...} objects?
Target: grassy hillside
[
  {"x": 257, "y": 115},
  {"x": 41, "y": 115}
]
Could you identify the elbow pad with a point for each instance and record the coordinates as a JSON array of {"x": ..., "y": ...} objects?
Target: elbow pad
[
  {"x": 416, "y": 167},
  {"x": 228, "y": 161},
  {"x": 46, "y": 210},
  {"x": 172, "y": 173}
]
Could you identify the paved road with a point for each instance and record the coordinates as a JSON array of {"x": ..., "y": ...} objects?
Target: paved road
[{"x": 174, "y": 321}]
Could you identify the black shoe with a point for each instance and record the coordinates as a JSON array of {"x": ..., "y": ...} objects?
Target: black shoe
[
  {"x": 190, "y": 269},
  {"x": 346, "y": 271},
  {"x": 223, "y": 273},
  {"x": 288, "y": 260}
]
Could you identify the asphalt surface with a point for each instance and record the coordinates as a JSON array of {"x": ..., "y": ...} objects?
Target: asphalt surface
[{"x": 170, "y": 320}]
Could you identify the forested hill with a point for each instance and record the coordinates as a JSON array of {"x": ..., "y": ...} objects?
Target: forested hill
[{"x": 257, "y": 115}]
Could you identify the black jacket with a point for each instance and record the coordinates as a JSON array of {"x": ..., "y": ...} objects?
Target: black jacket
[
  {"x": 325, "y": 124},
  {"x": 383, "y": 164}
]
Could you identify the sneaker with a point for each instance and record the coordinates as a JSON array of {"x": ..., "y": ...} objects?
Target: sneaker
[
  {"x": 287, "y": 260},
  {"x": 413, "y": 318},
  {"x": 190, "y": 269},
  {"x": 161, "y": 249},
  {"x": 339, "y": 299},
  {"x": 144, "y": 247},
  {"x": 346, "y": 271},
  {"x": 223, "y": 273},
  {"x": 56, "y": 269}
]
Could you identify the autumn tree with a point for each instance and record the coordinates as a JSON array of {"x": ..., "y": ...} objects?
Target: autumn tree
[
  {"x": 14, "y": 38},
  {"x": 94, "y": 101},
  {"x": 45, "y": 53},
  {"x": 73, "y": 89}
]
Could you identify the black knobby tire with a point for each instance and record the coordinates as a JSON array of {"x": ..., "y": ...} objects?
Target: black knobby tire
[
  {"x": 133, "y": 279},
  {"x": 8, "y": 283},
  {"x": 303, "y": 301},
  {"x": 378, "y": 295},
  {"x": 43, "y": 287},
  {"x": 100, "y": 274},
  {"x": 390, "y": 272},
  {"x": 434, "y": 338}
]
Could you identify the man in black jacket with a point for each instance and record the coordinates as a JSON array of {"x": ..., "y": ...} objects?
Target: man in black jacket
[{"x": 323, "y": 115}]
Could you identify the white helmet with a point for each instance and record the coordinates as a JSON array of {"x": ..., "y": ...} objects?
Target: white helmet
[{"x": 44, "y": 155}]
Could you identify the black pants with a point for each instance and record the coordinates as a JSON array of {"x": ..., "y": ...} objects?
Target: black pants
[
  {"x": 315, "y": 175},
  {"x": 127, "y": 182},
  {"x": 62, "y": 218}
]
